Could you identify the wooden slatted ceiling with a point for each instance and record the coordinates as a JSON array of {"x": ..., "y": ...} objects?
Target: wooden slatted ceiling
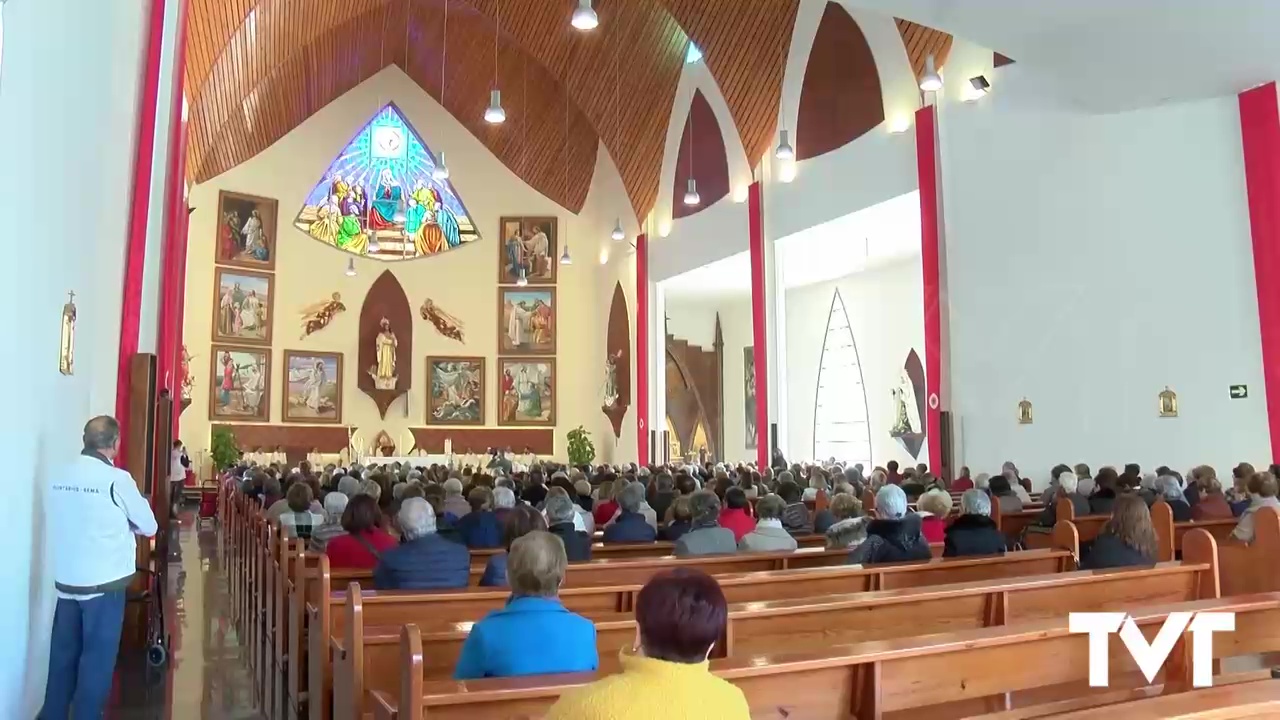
[{"x": 920, "y": 42}]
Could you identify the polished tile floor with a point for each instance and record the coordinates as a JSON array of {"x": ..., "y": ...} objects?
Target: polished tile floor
[{"x": 206, "y": 677}]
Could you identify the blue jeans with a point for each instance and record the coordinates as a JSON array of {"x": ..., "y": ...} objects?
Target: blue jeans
[{"x": 82, "y": 656}]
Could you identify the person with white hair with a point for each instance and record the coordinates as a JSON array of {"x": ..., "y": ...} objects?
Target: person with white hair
[
  {"x": 1171, "y": 492},
  {"x": 504, "y": 498},
  {"x": 560, "y": 512},
  {"x": 982, "y": 481},
  {"x": 423, "y": 560},
  {"x": 1010, "y": 473},
  {"x": 973, "y": 532},
  {"x": 334, "y": 505},
  {"x": 455, "y": 506},
  {"x": 894, "y": 535},
  {"x": 349, "y": 485}
]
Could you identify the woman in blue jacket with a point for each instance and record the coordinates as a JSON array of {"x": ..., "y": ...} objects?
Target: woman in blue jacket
[{"x": 498, "y": 645}]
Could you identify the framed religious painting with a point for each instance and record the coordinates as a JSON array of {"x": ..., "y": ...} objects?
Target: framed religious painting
[
  {"x": 242, "y": 304},
  {"x": 455, "y": 391},
  {"x": 526, "y": 321},
  {"x": 527, "y": 391},
  {"x": 239, "y": 383},
  {"x": 312, "y": 387},
  {"x": 246, "y": 231},
  {"x": 529, "y": 247}
]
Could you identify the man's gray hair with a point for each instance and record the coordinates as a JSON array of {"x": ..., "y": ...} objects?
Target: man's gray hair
[
  {"x": 1068, "y": 482},
  {"x": 786, "y": 476},
  {"x": 891, "y": 502},
  {"x": 770, "y": 507},
  {"x": 101, "y": 432},
  {"x": 452, "y": 486},
  {"x": 975, "y": 502},
  {"x": 1170, "y": 488},
  {"x": 417, "y": 519},
  {"x": 503, "y": 497},
  {"x": 631, "y": 497},
  {"x": 559, "y": 509},
  {"x": 335, "y": 503},
  {"x": 371, "y": 488},
  {"x": 704, "y": 505},
  {"x": 349, "y": 486}
]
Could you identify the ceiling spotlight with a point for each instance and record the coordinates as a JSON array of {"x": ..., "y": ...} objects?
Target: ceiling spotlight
[
  {"x": 494, "y": 114},
  {"x": 931, "y": 81},
  {"x": 978, "y": 86},
  {"x": 618, "y": 233},
  {"x": 441, "y": 171},
  {"x": 351, "y": 267},
  {"x": 522, "y": 280},
  {"x": 373, "y": 244},
  {"x": 584, "y": 18},
  {"x": 784, "y": 151},
  {"x": 564, "y": 256},
  {"x": 691, "y": 196}
]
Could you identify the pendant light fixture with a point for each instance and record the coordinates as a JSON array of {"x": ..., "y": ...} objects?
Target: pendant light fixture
[
  {"x": 494, "y": 114},
  {"x": 618, "y": 234},
  {"x": 691, "y": 196},
  {"x": 785, "y": 151},
  {"x": 440, "y": 172},
  {"x": 374, "y": 247},
  {"x": 564, "y": 156},
  {"x": 522, "y": 280},
  {"x": 564, "y": 256},
  {"x": 584, "y": 18},
  {"x": 931, "y": 81},
  {"x": 351, "y": 267}
]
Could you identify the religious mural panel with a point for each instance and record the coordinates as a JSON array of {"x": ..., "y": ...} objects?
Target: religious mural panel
[
  {"x": 528, "y": 391},
  {"x": 246, "y": 231},
  {"x": 455, "y": 391},
  {"x": 527, "y": 321},
  {"x": 242, "y": 304},
  {"x": 240, "y": 387},
  {"x": 383, "y": 197},
  {"x": 528, "y": 246},
  {"x": 312, "y": 387},
  {"x": 749, "y": 395}
]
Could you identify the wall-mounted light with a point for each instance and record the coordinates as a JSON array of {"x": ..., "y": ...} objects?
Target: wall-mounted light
[
  {"x": 604, "y": 256},
  {"x": 740, "y": 194},
  {"x": 900, "y": 123},
  {"x": 977, "y": 88},
  {"x": 931, "y": 81},
  {"x": 664, "y": 228},
  {"x": 787, "y": 172}
]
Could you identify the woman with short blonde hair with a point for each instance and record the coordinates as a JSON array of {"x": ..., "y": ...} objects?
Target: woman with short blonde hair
[{"x": 934, "y": 507}]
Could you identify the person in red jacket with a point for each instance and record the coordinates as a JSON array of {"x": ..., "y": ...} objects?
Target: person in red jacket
[
  {"x": 962, "y": 483},
  {"x": 935, "y": 506},
  {"x": 365, "y": 540},
  {"x": 606, "y": 505},
  {"x": 736, "y": 515}
]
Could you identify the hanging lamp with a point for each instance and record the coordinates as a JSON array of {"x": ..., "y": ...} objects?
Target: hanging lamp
[
  {"x": 931, "y": 81},
  {"x": 440, "y": 172},
  {"x": 522, "y": 280},
  {"x": 564, "y": 255},
  {"x": 784, "y": 151},
  {"x": 494, "y": 114},
  {"x": 351, "y": 267},
  {"x": 584, "y": 17},
  {"x": 691, "y": 196}
]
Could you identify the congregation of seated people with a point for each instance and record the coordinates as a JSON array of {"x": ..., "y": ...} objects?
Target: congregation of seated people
[{"x": 414, "y": 528}]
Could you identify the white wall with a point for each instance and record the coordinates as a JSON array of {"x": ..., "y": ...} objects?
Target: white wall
[
  {"x": 1093, "y": 260},
  {"x": 463, "y": 282},
  {"x": 68, "y": 117},
  {"x": 885, "y": 309}
]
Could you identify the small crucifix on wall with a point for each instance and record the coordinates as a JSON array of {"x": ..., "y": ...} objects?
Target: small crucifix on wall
[{"x": 67, "y": 342}]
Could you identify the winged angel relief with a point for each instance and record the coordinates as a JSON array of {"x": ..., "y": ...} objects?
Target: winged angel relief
[
  {"x": 318, "y": 316},
  {"x": 445, "y": 324}
]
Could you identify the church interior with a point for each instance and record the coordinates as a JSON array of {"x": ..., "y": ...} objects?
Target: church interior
[{"x": 820, "y": 248}]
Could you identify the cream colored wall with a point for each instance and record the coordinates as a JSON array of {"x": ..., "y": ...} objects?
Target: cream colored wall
[{"x": 462, "y": 281}]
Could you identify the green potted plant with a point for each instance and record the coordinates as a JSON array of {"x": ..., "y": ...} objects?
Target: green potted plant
[
  {"x": 223, "y": 449},
  {"x": 581, "y": 449}
]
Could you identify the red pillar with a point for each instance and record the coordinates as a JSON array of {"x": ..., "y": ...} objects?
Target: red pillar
[
  {"x": 930, "y": 255},
  {"x": 759, "y": 327},
  {"x": 1260, "y": 133},
  {"x": 642, "y": 349},
  {"x": 173, "y": 262},
  {"x": 136, "y": 248}
]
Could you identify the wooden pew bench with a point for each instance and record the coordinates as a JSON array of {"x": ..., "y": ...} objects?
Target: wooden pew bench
[
  {"x": 1169, "y": 534},
  {"x": 1248, "y": 699},
  {"x": 367, "y": 657},
  {"x": 942, "y": 675}
]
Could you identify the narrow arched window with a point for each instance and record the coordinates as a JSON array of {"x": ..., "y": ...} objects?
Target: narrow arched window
[{"x": 841, "y": 425}]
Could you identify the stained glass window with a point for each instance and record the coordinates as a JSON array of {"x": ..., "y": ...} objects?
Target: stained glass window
[
  {"x": 382, "y": 197},
  {"x": 841, "y": 425}
]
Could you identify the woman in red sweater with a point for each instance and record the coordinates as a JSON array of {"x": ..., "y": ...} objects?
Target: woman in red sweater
[
  {"x": 365, "y": 540},
  {"x": 606, "y": 506},
  {"x": 736, "y": 514},
  {"x": 934, "y": 506}
]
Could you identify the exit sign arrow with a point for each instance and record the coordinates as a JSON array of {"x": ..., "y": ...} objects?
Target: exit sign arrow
[{"x": 1239, "y": 392}]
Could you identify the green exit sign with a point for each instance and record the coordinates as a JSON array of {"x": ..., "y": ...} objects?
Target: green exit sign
[{"x": 1239, "y": 392}]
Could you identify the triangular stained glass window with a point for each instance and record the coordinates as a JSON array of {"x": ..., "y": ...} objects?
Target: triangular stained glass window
[
  {"x": 841, "y": 425},
  {"x": 380, "y": 199}
]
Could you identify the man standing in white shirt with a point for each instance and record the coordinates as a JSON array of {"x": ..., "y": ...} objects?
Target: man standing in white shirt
[{"x": 95, "y": 510}]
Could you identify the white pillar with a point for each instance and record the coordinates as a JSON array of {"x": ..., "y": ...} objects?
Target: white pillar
[{"x": 69, "y": 83}]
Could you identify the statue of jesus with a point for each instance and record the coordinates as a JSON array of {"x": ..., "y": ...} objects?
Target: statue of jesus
[{"x": 384, "y": 373}]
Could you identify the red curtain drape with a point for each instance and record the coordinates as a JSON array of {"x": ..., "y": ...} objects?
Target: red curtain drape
[
  {"x": 136, "y": 248},
  {"x": 1260, "y": 135},
  {"x": 927, "y": 170},
  {"x": 642, "y": 348},
  {"x": 760, "y": 346}
]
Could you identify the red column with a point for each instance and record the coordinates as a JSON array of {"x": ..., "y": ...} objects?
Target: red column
[
  {"x": 136, "y": 248},
  {"x": 173, "y": 279},
  {"x": 930, "y": 253},
  {"x": 642, "y": 349},
  {"x": 759, "y": 329},
  {"x": 1260, "y": 133}
]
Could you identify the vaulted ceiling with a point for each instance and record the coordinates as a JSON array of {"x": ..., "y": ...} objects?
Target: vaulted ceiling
[{"x": 256, "y": 69}]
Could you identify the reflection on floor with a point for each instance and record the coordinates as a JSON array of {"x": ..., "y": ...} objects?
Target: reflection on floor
[{"x": 206, "y": 677}]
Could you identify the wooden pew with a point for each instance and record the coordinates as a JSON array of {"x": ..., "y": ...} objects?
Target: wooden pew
[
  {"x": 1087, "y": 525},
  {"x": 1252, "y": 568},
  {"x": 1249, "y": 699},
  {"x": 951, "y": 674},
  {"x": 1169, "y": 534},
  {"x": 367, "y": 657},
  {"x": 325, "y": 616}
]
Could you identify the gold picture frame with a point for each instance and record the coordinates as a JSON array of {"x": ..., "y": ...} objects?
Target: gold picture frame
[{"x": 1168, "y": 400}]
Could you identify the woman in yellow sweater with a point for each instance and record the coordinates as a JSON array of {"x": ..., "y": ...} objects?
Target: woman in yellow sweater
[{"x": 679, "y": 616}]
